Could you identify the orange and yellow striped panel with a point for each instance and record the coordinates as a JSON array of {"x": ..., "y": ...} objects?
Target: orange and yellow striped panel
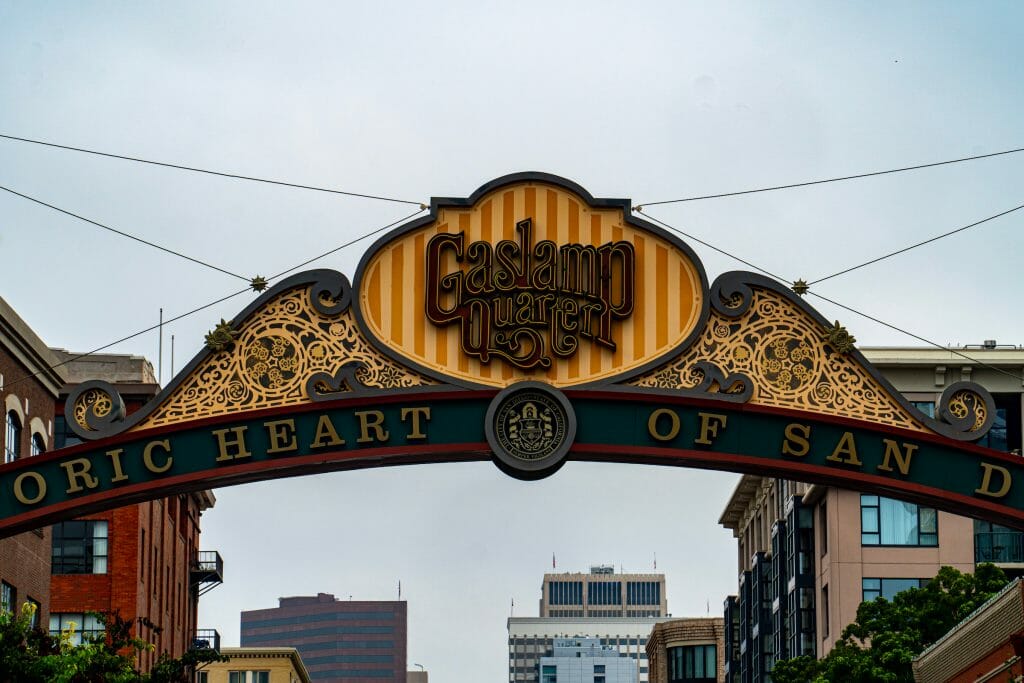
[{"x": 668, "y": 294}]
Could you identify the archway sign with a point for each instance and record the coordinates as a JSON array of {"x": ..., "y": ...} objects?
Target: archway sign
[{"x": 531, "y": 324}]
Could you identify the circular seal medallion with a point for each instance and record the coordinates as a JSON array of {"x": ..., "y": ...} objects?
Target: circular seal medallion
[{"x": 530, "y": 427}]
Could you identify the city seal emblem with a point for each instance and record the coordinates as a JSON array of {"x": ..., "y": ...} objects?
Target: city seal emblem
[{"x": 530, "y": 427}]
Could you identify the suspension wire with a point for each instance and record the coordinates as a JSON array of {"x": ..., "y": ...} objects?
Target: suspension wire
[
  {"x": 204, "y": 306},
  {"x": 929, "y": 342},
  {"x": 222, "y": 174},
  {"x": 348, "y": 244},
  {"x": 914, "y": 246},
  {"x": 919, "y": 337},
  {"x": 122, "y": 233},
  {"x": 129, "y": 337},
  {"x": 834, "y": 180},
  {"x": 711, "y": 246}
]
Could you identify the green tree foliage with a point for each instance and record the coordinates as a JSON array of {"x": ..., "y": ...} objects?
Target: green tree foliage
[
  {"x": 879, "y": 646},
  {"x": 32, "y": 655}
]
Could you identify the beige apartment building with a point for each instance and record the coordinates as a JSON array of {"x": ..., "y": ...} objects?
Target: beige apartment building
[
  {"x": 256, "y": 665},
  {"x": 808, "y": 555}
]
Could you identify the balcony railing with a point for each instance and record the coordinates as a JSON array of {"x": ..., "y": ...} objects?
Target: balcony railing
[
  {"x": 207, "y": 570},
  {"x": 206, "y": 639},
  {"x": 999, "y": 546}
]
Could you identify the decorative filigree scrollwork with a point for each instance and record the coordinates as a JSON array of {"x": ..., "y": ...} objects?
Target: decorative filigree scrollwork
[
  {"x": 762, "y": 338},
  {"x": 301, "y": 344},
  {"x": 94, "y": 409},
  {"x": 966, "y": 412}
]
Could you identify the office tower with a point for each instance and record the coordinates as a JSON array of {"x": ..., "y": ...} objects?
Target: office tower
[{"x": 347, "y": 641}]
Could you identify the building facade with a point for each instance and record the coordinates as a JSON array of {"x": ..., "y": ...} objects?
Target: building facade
[
  {"x": 256, "y": 665},
  {"x": 350, "y": 641},
  {"x": 809, "y": 555},
  {"x": 531, "y": 638},
  {"x": 687, "y": 651},
  {"x": 29, "y": 389},
  {"x": 586, "y": 660},
  {"x": 142, "y": 561},
  {"x": 601, "y": 593}
]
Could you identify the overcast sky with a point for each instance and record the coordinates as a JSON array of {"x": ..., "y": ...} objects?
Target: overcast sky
[{"x": 650, "y": 101}]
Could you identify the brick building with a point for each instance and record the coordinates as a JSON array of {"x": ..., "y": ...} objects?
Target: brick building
[
  {"x": 256, "y": 665},
  {"x": 691, "y": 650},
  {"x": 143, "y": 560},
  {"x": 351, "y": 641},
  {"x": 29, "y": 387}
]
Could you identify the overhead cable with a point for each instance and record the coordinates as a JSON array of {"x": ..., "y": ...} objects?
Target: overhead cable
[
  {"x": 914, "y": 246},
  {"x": 832, "y": 180},
  {"x": 123, "y": 234},
  {"x": 979, "y": 362},
  {"x": 222, "y": 174}
]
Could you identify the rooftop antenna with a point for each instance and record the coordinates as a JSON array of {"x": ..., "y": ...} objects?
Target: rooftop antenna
[
  {"x": 172, "y": 355},
  {"x": 160, "y": 351}
]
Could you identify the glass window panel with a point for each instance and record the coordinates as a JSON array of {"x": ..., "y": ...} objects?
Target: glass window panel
[
  {"x": 928, "y": 520},
  {"x": 869, "y": 520},
  {"x": 868, "y": 500}
]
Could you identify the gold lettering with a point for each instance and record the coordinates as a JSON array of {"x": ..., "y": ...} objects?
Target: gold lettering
[
  {"x": 846, "y": 447},
  {"x": 709, "y": 426},
  {"x": 237, "y": 443},
  {"x": 902, "y": 456},
  {"x": 326, "y": 434},
  {"x": 417, "y": 428},
  {"x": 797, "y": 441},
  {"x": 376, "y": 424},
  {"x": 19, "y": 491},
  {"x": 986, "y": 481},
  {"x": 147, "y": 456},
  {"x": 281, "y": 434},
  {"x": 78, "y": 474},
  {"x": 115, "y": 461},
  {"x": 652, "y": 424}
]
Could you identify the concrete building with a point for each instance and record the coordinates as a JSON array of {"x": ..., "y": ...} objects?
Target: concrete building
[
  {"x": 586, "y": 660},
  {"x": 29, "y": 389},
  {"x": 601, "y": 593},
  {"x": 691, "y": 650},
  {"x": 809, "y": 555},
  {"x": 349, "y": 641},
  {"x": 531, "y": 638},
  {"x": 618, "y": 609},
  {"x": 256, "y": 665},
  {"x": 143, "y": 560}
]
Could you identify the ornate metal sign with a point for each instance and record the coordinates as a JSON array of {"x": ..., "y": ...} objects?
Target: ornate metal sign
[{"x": 529, "y": 324}]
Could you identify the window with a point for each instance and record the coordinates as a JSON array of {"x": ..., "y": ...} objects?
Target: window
[
  {"x": 692, "y": 663},
  {"x": 599, "y": 668},
  {"x": 62, "y": 434},
  {"x": 78, "y": 624},
  {"x": 824, "y": 612},
  {"x": 884, "y": 521},
  {"x": 202, "y": 677},
  {"x": 34, "y": 623},
  {"x": 549, "y": 674},
  {"x": 12, "y": 443},
  {"x": 888, "y": 588},
  {"x": 926, "y": 407},
  {"x": 38, "y": 447},
  {"x": 248, "y": 677},
  {"x": 823, "y": 527},
  {"x": 7, "y": 597},
  {"x": 80, "y": 547}
]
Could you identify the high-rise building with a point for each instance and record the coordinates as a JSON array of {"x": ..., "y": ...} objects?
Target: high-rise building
[
  {"x": 601, "y": 593},
  {"x": 619, "y": 610},
  {"x": 142, "y": 561},
  {"x": 347, "y": 641},
  {"x": 29, "y": 388},
  {"x": 586, "y": 660},
  {"x": 808, "y": 555}
]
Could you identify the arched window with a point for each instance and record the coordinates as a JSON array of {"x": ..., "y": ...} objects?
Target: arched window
[
  {"x": 38, "y": 445},
  {"x": 12, "y": 442}
]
